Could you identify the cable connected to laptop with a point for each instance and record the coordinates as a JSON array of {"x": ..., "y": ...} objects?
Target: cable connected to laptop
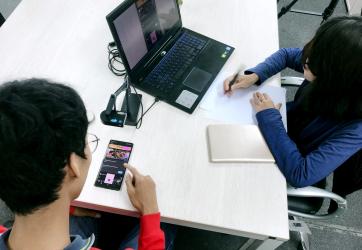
[
  {"x": 116, "y": 66},
  {"x": 139, "y": 121},
  {"x": 115, "y": 63}
]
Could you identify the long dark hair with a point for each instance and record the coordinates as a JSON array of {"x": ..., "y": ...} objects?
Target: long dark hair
[{"x": 335, "y": 58}]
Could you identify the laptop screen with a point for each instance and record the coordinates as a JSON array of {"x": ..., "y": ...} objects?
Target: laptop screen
[{"x": 143, "y": 25}]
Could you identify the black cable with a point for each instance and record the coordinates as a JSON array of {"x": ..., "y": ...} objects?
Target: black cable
[
  {"x": 113, "y": 59},
  {"x": 139, "y": 122}
]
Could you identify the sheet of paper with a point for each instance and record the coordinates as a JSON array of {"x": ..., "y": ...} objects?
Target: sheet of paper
[{"x": 237, "y": 108}]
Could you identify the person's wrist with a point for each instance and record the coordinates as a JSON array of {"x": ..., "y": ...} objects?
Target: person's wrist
[
  {"x": 253, "y": 78},
  {"x": 152, "y": 209}
]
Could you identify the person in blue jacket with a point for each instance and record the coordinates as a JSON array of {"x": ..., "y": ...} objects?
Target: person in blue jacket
[{"x": 325, "y": 118}]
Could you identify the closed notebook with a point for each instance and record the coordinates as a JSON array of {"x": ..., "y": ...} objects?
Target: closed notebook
[{"x": 237, "y": 143}]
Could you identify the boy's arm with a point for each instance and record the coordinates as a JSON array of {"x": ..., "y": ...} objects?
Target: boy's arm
[
  {"x": 151, "y": 236},
  {"x": 142, "y": 193},
  {"x": 283, "y": 58}
]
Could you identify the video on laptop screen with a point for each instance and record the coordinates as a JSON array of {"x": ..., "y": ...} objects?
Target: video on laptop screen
[{"x": 143, "y": 24}]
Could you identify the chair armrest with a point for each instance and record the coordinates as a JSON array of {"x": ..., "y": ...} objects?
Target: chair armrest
[
  {"x": 317, "y": 193},
  {"x": 291, "y": 81}
]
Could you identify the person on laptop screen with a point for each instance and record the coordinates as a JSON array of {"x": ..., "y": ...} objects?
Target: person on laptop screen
[{"x": 325, "y": 118}]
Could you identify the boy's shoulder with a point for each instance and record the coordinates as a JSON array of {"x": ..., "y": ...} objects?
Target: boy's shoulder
[{"x": 76, "y": 241}]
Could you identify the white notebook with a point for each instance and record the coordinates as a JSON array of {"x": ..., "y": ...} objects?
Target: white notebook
[{"x": 237, "y": 143}]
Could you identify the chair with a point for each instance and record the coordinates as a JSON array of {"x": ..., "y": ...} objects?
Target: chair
[
  {"x": 2, "y": 19},
  {"x": 328, "y": 11},
  {"x": 306, "y": 202}
]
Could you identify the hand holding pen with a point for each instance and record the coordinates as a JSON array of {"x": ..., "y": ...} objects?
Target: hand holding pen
[{"x": 238, "y": 81}]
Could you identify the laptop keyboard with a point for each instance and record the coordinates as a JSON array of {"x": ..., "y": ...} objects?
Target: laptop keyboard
[{"x": 171, "y": 68}]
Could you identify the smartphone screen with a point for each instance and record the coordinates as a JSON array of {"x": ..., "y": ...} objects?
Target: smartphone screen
[{"x": 111, "y": 173}]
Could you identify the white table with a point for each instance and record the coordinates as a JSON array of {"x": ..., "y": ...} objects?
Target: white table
[
  {"x": 354, "y": 7},
  {"x": 66, "y": 42}
]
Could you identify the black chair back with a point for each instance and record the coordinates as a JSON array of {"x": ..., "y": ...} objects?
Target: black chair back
[
  {"x": 308, "y": 205},
  {"x": 2, "y": 20},
  {"x": 348, "y": 177}
]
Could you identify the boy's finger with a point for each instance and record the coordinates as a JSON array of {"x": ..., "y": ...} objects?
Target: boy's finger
[
  {"x": 130, "y": 187},
  {"x": 133, "y": 170},
  {"x": 129, "y": 180}
]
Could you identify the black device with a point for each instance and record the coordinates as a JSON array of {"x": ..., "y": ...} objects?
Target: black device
[
  {"x": 111, "y": 173},
  {"x": 161, "y": 57},
  {"x": 129, "y": 111},
  {"x": 114, "y": 118},
  {"x": 130, "y": 106}
]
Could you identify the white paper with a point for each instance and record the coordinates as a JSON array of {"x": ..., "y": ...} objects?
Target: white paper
[{"x": 237, "y": 108}]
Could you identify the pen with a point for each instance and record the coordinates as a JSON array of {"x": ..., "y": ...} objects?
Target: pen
[{"x": 231, "y": 83}]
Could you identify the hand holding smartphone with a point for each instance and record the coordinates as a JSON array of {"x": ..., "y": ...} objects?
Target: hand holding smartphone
[{"x": 111, "y": 173}]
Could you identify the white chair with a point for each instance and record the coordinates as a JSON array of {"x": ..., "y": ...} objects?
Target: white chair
[{"x": 305, "y": 203}]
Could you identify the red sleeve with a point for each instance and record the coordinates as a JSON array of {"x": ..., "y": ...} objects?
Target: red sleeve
[
  {"x": 2, "y": 229},
  {"x": 151, "y": 236},
  {"x": 71, "y": 210}
]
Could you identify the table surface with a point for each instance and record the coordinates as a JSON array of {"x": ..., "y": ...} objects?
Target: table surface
[{"x": 66, "y": 41}]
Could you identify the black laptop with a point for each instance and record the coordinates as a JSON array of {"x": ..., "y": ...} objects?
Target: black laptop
[{"x": 161, "y": 57}]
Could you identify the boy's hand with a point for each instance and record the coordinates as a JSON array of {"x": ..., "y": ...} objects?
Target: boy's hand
[
  {"x": 263, "y": 101},
  {"x": 141, "y": 191},
  {"x": 242, "y": 81}
]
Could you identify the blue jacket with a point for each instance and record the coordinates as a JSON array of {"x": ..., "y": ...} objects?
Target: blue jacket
[{"x": 308, "y": 153}]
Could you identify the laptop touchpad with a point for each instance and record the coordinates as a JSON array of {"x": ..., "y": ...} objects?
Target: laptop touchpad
[{"x": 197, "y": 79}]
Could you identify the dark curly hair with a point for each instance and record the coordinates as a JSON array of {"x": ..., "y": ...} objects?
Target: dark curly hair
[
  {"x": 41, "y": 124},
  {"x": 335, "y": 58}
]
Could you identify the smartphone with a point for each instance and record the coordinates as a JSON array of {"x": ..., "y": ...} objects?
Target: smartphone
[{"x": 111, "y": 173}]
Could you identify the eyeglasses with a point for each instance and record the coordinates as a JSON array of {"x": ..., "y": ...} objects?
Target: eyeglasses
[{"x": 92, "y": 142}]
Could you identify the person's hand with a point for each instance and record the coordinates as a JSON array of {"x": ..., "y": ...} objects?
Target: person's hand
[
  {"x": 242, "y": 81},
  {"x": 141, "y": 191},
  {"x": 263, "y": 101},
  {"x": 79, "y": 211}
]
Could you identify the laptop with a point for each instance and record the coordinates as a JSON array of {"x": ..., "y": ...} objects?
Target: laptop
[
  {"x": 161, "y": 57},
  {"x": 237, "y": 143}
]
